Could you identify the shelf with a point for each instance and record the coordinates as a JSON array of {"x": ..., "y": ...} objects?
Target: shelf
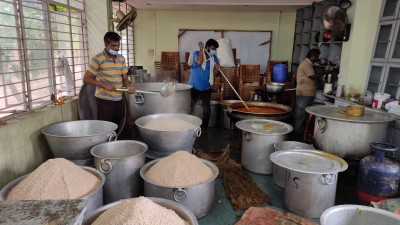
[
  {"x": 334, "y": 67},
  {"x": 374, "y": 82},
  {"x": 393, "y": 85}
]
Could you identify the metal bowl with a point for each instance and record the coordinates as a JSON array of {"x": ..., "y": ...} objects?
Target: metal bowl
[
  {"x": 182, "y": 211},
  {"x": 274, "y": 88},
  {"x": 94, "y": 199}
]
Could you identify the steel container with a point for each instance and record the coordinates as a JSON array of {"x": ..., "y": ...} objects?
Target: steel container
[
  {"x": 348, "y": 136},
  {"x": 164, "y": 143},
  {"x": 182, "y": 211},
  {"x": 94, "y": 199},
  {"x": 357, "y": 215},
  {"x": 226, "y": 121},
  {"x": 258, "y": 143},
  {"x": 214, "y": 114},
  {"x": 74, "y": 139},
  {"x": 274, "y": 87},
  {"x": 241, "y": 115},
  {"x": 279, "y": 173},
  {"x": 198, "y": 198},
  {"x": 143, "y": 104},
  {"x": 120, "y": 161},
  {"x": 311, "y": 179}
]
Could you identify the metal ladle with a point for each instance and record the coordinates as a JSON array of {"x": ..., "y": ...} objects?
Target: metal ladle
[
  {"x": 166, "y": 90},
  {"x": 227, "y": 80}
]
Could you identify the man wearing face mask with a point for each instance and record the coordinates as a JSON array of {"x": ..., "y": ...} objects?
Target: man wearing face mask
[
  {"x": 201, "y": 78},
  {"x": 108, "y": 71}
]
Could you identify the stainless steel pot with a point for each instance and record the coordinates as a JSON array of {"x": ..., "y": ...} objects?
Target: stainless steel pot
[
  {"x": 94, "y": 199},
  {"x": 274, "y": 88},
  {"x": 279, "y": 173},
  {"x": 311, "y": 180},
  {"x": 143, "y": 104},
  {"x": 74, "y": 139},
  {"x": 225, "y": 118},
  {"x": 198, "y": 199},
  {"x": 182, "y": 211},
  {"x": 348, "y": 136},
  {"x": 258, "y": 143},
  {"x": 164, "y": 143},
  {"x": 120, "y": 161},
  {"x": 358, "y": 214},
  {"x": 239, "y": 115}
]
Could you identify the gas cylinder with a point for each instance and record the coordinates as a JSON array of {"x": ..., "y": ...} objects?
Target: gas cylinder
[{"x": 378, "y": 175}]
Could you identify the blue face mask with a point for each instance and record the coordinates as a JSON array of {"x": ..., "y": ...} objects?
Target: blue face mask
[
  {"x": 212, "y": 52},
  {"x": 112, "y": 52}
]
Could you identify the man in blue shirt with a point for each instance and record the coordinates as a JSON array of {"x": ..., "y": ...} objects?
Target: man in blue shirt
[{"x": 201, "y": 78}]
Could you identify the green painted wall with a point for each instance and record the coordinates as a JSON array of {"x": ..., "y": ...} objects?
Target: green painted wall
[
  {"x": 356, "y": 53},
  {"x": 157, "y": 30},
  {"x": 22, "y": 145}
]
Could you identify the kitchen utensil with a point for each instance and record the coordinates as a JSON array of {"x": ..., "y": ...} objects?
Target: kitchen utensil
[
  {"x": 274, "y": 87},
  {"x": 166, "y": 90},
  {"x": 228, "y": 81}
]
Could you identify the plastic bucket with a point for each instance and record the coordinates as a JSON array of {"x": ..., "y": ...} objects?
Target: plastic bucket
[
  {"x": 279, "y": 73},
  {"x": 278, "y": 172},
  {"x": 120, "y": 161}
]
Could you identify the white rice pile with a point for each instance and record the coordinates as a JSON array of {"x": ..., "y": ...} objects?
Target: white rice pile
[
  {"x": 168, "y": 124},
  {"x": 55, "y": 179},
  {"x": 139, "y": 211},
  {"x": 180, "y": 169}
]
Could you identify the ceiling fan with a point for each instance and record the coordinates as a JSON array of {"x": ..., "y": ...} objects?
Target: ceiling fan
[
  {"x": 123, "y": 20},
  {"x": 335, "y": 20}
]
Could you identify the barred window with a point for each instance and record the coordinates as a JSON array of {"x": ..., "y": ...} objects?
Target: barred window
[
  {"x": 127, "y": 42},
  {"x": 43, "y": 50}
]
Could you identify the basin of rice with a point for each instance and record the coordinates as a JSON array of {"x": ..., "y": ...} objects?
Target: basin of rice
[
  {"x": 139, "y": 211},
  {"x": 55, "y": 179},
  {"x": 168, "y": 124},
  {"x": 180, "y": 169}
]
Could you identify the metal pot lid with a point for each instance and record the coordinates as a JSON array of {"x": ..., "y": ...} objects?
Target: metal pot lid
[
  {"x": 309, "y": 161},
  {"x": 264, "y": 127},
  {"x": 339, "y": 113}
]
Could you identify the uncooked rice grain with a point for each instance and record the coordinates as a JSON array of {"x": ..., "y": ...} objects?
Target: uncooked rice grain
[
  {"x": 55, "y": 179},
  {"x": 168, "y": 124},
  {"x": 139, "y": 211},
  {"x": 180, "y": 169}
]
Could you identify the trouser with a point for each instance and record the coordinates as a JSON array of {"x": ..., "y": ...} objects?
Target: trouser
[
  {"x": 109, "y": 110},
  {"x": 302, "y": 102},
  {"x": 205, "y": 97}
]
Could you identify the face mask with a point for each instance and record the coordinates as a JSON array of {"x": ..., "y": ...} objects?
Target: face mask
[
  {"x": 212, "y": 52},
  {"x": 112, "y": 52}
]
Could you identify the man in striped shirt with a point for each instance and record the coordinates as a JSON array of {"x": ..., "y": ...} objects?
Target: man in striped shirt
[{"x": 108, "y": 71}]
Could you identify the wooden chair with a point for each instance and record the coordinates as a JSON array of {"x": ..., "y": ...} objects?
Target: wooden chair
[
  {"x": 250, "y": 80},
  {"x": 168, "y": 67}
]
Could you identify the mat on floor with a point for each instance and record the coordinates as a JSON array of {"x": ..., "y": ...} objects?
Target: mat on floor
[
  {"x": 239, "y": 187},
  {"x": 268, "y": 216}
]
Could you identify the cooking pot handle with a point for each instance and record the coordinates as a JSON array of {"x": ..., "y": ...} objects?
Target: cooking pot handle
[
  {"x": 113, "y": 136},
  {"x": 138, "y": 98},
  {"x": 322, "y": 124},
  {"x": 247, "y": 136},
  {"x": 329, "y": 178},
  {"x": 197, "y": 132},
  {"x": 180, "y": 194},
  {"x": 102, "y": 162}
]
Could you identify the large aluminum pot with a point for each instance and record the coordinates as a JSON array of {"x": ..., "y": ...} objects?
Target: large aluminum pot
[
  {"x": 94, "y": 199},
  {"x": 240, "y": 115},
  {"x": 357, "y": 215},
  {"x": 198, "y": 198},
  {"x": 143, "y": 104},
  {"x": 120, "y": 161},
  {"x": 225, "y": 118},
  {"x": 164, "y": 143},
  {"x": 182, "y": 211},
  {"x": 348, "y": 136},
  {"x": 215, "y": 109},
  {"x": 311, "y": 179},
  {"x": 74, "y": 139},
  {"x": 258, "y": 138},
  {"x": 279, "y": 173}
]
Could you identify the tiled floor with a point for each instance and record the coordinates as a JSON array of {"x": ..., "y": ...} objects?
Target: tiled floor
[{"x": 222, "y": 212}]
